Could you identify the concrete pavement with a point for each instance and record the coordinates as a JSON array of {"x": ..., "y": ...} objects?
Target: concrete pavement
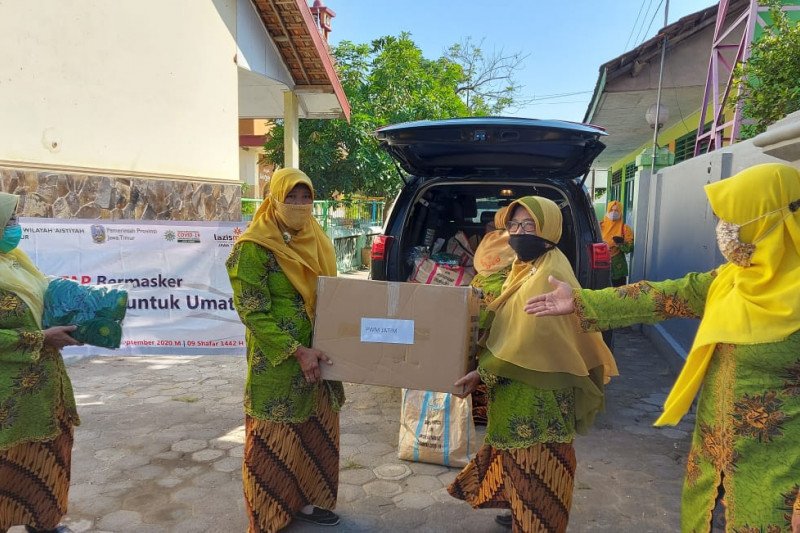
[{"x": 160, "y": 449}]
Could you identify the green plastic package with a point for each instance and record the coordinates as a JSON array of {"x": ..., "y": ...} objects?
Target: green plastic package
[{"x": 97, "y": 310}]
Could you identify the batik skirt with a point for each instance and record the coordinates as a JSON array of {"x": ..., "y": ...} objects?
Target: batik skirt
[
  {"x": 535, "y": 483},
  {"x": 480, "y": 404},
  {"x": 34, "y": 480},
  {"x": 288, "y": 466}
]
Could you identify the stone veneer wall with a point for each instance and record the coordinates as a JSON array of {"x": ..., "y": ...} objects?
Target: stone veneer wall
[{"x": 51, "y": 194}]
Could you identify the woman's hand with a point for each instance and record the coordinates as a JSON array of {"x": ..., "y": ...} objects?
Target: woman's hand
[
  {"x": 58, "y": 336},
  {"x": 796, "y": 521},
  {"x": 468, "y": 383},
  {"x": 309, "y": 359},
  {"x": 557, "y": 302}
]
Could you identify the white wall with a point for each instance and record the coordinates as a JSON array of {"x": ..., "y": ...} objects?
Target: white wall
[
  {"x": 675, "y": 227},
  {"x": 257, "y": 52},
  {"x": 248, "y": 169},
  {"x": 145, "y": 86}
]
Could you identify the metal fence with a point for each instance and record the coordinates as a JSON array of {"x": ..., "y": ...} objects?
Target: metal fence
[
  {"x": 351, "y": 225},
  {"x": 361, "y": 213},
  {"x": 349, "y": 214}
]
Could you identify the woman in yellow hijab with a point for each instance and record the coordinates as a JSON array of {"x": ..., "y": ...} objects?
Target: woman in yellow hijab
[
  {"x": 619, "y": 238},
  {"x": 37, "y": 406},
  {"x": 545, "y": 382},
  {"x": 745, "y": 356},
  {"x": 291, "y": 462}
]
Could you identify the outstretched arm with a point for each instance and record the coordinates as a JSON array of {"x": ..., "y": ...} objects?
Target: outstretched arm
[{"x": 643, "y": 302}]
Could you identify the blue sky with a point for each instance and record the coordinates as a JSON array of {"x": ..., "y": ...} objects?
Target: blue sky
[{"x": 566, "y": 42}]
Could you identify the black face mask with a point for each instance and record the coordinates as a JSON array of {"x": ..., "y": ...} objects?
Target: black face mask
[{"x": 528, "y": 246}]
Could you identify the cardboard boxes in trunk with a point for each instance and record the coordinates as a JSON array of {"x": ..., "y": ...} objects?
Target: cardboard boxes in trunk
[{"x": 396, "y": 334}]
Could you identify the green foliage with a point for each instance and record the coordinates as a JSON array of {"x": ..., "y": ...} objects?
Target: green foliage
[
  {"x": 248, "y": 208},
  {"x": 386, "y": 82},
  {"x": 770, "y": 80}
]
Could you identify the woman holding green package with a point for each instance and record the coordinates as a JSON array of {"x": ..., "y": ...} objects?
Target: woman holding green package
[
  {"x": 744, "y": 465},
  {"x": 37, "y": 405}
]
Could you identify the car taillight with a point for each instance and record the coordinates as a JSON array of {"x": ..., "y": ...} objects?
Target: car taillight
[
  {"x": 600, "y": 256},
  {"x": 380, "y": 245}
]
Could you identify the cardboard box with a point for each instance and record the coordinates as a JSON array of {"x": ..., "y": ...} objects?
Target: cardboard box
[{"x": 396, "y": 334}]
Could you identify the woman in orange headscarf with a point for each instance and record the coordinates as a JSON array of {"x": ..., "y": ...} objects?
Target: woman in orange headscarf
[
  {"x": 619, "y": 238},
  {"x": 745, "y": 359},
  {"x": 291, "y": 458},
  {"x": 492, "y": 264}
]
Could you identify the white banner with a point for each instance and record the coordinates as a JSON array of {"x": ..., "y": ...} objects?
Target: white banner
[{"x": 179, "y": 296}]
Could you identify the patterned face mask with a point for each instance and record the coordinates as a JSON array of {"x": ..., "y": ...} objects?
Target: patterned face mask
[
  {"x": 733, "y": 250},
  {"x": 738, "y": 252}
]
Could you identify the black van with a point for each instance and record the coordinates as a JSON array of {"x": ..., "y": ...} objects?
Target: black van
[{"x": 461, "y": 171}]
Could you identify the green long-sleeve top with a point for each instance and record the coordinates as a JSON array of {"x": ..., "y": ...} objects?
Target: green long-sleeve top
[
  {"x": 519, "y": 415},
  {"x": 276, "y": 322},
  {"x": 33, "y": 380},
  {"x": 491, "y": 286},
  {"x": 747, "y": 431},
  {"x": 619, "y": 264}
]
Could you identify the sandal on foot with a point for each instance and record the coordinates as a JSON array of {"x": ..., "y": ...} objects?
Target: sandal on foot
[
  {"x": 504, "y": 520},
  {"x": 321, "y": 517}
]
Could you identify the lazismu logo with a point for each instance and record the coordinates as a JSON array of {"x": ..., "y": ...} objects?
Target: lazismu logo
[{"x": 228, "y": 238}]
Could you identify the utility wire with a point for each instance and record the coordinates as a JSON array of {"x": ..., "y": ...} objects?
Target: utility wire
[
  {"x": 559, "y": 103},
  {"x": 653, "y": 19},
  {"x": 641, "y": 27},
  {"x": 558, "y": 95},
  {"x": 635, "y": 22}
]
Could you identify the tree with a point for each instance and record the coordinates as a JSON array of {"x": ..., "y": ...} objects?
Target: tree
[
  {"x": 386, "y": 81},
  {"x": 488, "y": 85},
  {"x": 769, "y": 81}
]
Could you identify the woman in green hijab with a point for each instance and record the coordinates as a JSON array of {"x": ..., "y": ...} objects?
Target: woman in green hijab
[{"x": 37, "y": 406}]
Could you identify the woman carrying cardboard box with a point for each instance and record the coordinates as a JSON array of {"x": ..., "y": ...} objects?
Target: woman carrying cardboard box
[
  {"x": 545, "y": 382},
  {"x": 291, "y": 461}
]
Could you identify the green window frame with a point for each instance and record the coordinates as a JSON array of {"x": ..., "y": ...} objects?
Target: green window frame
[
  {"x": 684, "y": 145},
  {"x": 630, "y": 174},
  {"x": 616, "y": 182}
]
